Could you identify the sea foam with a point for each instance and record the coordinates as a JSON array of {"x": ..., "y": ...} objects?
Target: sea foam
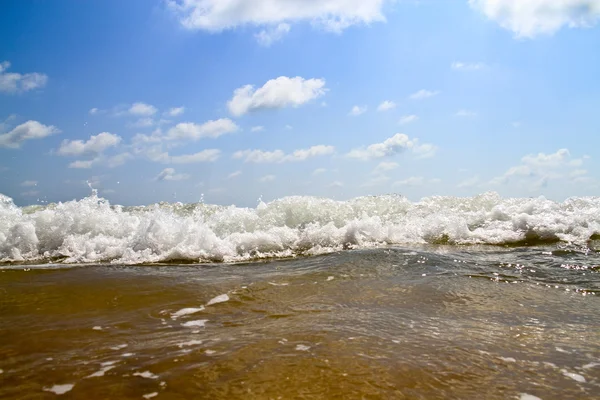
[{"x": 91, "y": 230}]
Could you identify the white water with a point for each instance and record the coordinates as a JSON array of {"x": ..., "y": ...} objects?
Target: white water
[{"x": 91, "y": 230}]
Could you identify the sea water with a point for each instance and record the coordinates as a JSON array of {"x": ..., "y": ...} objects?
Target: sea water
[{"x": 302, "y": 297}]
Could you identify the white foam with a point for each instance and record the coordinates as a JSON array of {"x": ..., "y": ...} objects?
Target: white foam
[
  {"x": 186, "y": 311},
  {"x": 101, "y": 371},
  {"x": 91, "y": 230},
  {"x": 198, "y": 323},
  {"x": 127, "y": 354},
  {"x": 572, "y": 375},
  {"x": 190, "y": 343},
  {"x": 219, "y": 299},
  {"x": 525, "y": 396},
  {"x": 150, "y": 395},
  {"x": 119, "y": 347},
  {"x": 330, "y": 278},
  {"x": 60, "y": 389},
  {"x": 586, "y": 366},
  {"x": 1, "y": 371},
  {"x": 508, "y": 359},
  {"x": 146, "y": 374},
  {"x": 210, "y": 352},
  {"x": 97, "y": 328},
  {"x": 301, "y": 347}
]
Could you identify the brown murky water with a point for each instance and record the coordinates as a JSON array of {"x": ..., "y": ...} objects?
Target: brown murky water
[{"x": 422, "y": 323}]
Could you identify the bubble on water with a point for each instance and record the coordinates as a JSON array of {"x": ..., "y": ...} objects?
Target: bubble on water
[
  {"x": 60, "y": 389},
  {"x": 572, "y": 375},
  {"x": 219, "y": 299},
  {"x": 146, "y": 374}
]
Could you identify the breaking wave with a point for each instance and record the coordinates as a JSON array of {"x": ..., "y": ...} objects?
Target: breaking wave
[{"x": 91, "y": 230}]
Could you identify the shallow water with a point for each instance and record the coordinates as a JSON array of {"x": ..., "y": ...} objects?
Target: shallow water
[{"x": 398, "y": 322}]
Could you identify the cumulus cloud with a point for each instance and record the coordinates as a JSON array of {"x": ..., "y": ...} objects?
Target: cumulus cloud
[
  {"x": 14, "y": 82},
  {"x": 272, "y": 34},
  {"x": 278, "y": 156},
  {"x": 210, "y": 129},
  {"x": 528, "y": 19},
  {"x": 95, "y": 111},
  {"x": 357, "y": 110},
  {"x": 385, "y": 166},
  {"x": 142, "y": 109},
  {"x": 168, "y": 174},
  {"x": 234, "y": 174},
  {"x": 407, "y": 119},
  {"x": 392, "y": 146},
  {"x": 218, "y": 15},
  {"x": 26, "y": 131},
  {"x": 267, "y": 178},
  {"x": 94, "y": 145},
  {"x": 543, "y": 166},
  {"x": 461, "y": 66},
  {"x": 386, "y": 105},
  {"x": 276, "y": 93},
  {"x": 208, "y": 155},
  {"x": 424, "y": 94},
  {"x": 82, "y": 164},
  {"x": 175, "y": 111}
]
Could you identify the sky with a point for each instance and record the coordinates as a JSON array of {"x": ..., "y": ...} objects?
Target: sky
[{"x": 236, "y": 101}]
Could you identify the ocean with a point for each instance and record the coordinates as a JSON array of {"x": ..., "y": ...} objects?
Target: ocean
[{"x": 376, "y": 297}]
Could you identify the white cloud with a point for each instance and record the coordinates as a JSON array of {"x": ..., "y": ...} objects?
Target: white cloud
[
  {"x": 94, "y": 145},
  {"x": 357, "y": 110},
  {"x": 424, "y": 94},
  {"x": 257, "y": 129},
  {"x": 29, "y": 183},
  {"x": 142, "y": 109},
  {"x": 234, "y": 174},
  {"x": 385, "y": 166},
  {"x": 314, "y": 151},
  {"x": 118, "y": 159},
  {"x": 288, "y": 127},
  {"x": 175, "y": 111},
  {"x": 278, "y": 156},
  {"x": 95, "y": 111},
  {"x": 143, "y": 123},
  {"x": 461, "y": 66},
  {"x": 407, "y": 119},
  {"x": 544, "y": 166},
  {"x": 26, "y": 131},
  {"x": 267, "y": 178},
  {"x": 208, "y": 155},
  {"x": 516, "y": 124},
  {"x": 319, "y": 171},
  {"x": 530, "y": 18},
  {"x": 168, "y": 174},
  {"x": 465, "y": 113},
  {"x": 336, "y": 184},
  {"x": 82, "y": 164},
  {"x": 276, "y": 93},
  {"x": 386, "y": 105},
  {"x": 30, "y": 193},
  {"x": 272, "y": 34},
  {"x": 210, "y": 129},
  {"x": 13, "y": 82},
  {"x": 416, "y": 181},
  {"x": 467, "y": 183},
  {"x": 392, "y": 146},
  {"x": 218, "y": 15}
]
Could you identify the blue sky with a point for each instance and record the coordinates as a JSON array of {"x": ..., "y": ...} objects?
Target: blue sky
[{"x": 236, "y": 100}]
